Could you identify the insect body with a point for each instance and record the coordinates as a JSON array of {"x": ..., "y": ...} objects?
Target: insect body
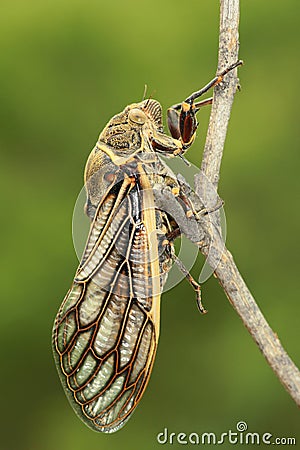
[{"x": 106, "y": 331}]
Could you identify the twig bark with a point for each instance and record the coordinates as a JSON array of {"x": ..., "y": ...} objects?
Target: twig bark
[{"x": 218, "y": 256}]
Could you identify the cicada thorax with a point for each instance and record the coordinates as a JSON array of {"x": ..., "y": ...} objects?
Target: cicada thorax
[{"x": 124, "y": 135}]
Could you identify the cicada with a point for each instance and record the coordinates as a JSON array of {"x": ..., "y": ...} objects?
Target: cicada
[{"x": 106, "y": 331}]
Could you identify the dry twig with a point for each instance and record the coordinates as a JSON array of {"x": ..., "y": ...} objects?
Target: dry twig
[{"x": 214, "y": 248}]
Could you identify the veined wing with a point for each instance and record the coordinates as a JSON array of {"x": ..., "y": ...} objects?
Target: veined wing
[{"x": 106, "y": 331}]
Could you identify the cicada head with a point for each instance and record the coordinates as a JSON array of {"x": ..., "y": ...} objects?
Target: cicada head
[{"x": 153, "y": 110}]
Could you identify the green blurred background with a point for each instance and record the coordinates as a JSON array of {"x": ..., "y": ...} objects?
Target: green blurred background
[{"x": 65, "y": 69}]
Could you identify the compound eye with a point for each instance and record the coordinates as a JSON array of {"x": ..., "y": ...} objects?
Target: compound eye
[{"x": 137, "y": 116}]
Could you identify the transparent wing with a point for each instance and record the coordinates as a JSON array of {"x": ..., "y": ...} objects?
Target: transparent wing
[{"x": 106, "y": 331}]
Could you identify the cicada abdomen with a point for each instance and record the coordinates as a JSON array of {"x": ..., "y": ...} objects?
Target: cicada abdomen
[{"x": 106, "y": 331}]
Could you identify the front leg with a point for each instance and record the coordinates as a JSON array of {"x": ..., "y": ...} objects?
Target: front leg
[
  {"x": 181, "y": 117},
  {"x": 182, "y": 121}
]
